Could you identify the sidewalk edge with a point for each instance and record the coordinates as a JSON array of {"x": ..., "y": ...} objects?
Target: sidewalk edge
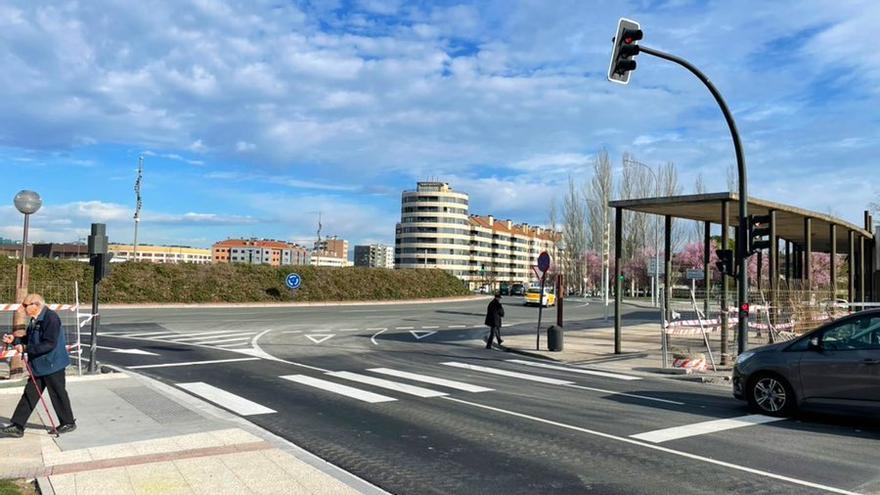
[{"x": 353, "y": 481}]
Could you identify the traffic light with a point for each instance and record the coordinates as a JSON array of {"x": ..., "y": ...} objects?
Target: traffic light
[
  {"x": 725, "y": 263},
  {"x": 625, "y": 48},
  {"x": 759, "y": 233}
]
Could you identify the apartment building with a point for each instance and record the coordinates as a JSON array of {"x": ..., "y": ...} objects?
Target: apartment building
[
  {"x": 160, "y": 254},
  {"x": 436, "y": 230},
  {"x": 330, "y": 251},
  {"x": 374, "y": 256},
  {"x": 259, "y": 252}
]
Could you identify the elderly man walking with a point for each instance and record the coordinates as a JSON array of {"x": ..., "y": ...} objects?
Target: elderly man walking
[
  {"x": 494, "y": 314},
  {"x": 47, "y": 355}
]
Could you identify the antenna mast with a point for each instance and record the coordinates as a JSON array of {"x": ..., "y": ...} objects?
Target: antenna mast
[{"x": 139, "y": 203}]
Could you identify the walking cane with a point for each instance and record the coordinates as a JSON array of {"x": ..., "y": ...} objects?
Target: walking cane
[{"x": 42, "y": 400}]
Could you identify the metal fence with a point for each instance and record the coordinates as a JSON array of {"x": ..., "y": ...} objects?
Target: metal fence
[{"x": 63, "y": 298}]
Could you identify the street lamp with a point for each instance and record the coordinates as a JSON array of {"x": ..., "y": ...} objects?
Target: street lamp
[
  {"x": 656, "y": 285},
  {"x": 28, "y": 203}
]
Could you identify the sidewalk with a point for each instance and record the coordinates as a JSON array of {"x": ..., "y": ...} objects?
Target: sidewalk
[{"x": 139, "y": 436}]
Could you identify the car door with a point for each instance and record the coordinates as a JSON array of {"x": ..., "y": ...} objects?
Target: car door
[{"x": 845, "y": 367}]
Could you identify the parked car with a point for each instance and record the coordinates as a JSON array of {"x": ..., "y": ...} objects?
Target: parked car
[
  {"x": 836, "y": 366},
  {"x": 533, "y": 296},
  {"x": 517, "y": 290}
]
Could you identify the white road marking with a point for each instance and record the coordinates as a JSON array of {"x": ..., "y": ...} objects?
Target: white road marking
[
  {"x": 390, "y": 385},
  {"x": 512, "y": 374},
  {"x": 348, "y": 329},
  {"x": 150, "y": 334},
  {"x": 420, "y": 335},
  {"x": 224, "y": 399},
  {"x": 651, "y": 446},
  {"x": 612, "y": 392},
  {"x": 430, "y": 327},
  {"x": 318, "y": 338},
  {"x": 467, "y": 387},
  {"x": 192, "y": 363},
  {"x": 684, "y": 431},
  {"x": 292, "y": 331},
  {"x": 404, "y": 328},
  {"x": 224, "y": 341},
  {"x": 234, "y": 346},
  {"x": 457, "y": 326},
  {"x": 354, "y": 393},
  {"x": 127, "y": 351},
  {"x": 200, "y": 335},
  {"x": 373, "y": 338},
  {"x": 574, "y": 370},
  {"x": 374, "y": 329}
]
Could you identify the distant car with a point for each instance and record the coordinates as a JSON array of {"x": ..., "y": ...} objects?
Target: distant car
[
  {"x": 484, "y": 289},
  {"x": 533, "y": 297},
  {"x": 517, "y": 290},
  {"x": 836, "y": 366},
  {"x": 835, "y": 304},
  {"x": 504, "y": 289}
]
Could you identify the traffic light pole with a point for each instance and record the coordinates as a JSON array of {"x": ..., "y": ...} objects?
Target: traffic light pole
[
  {"x": 743, "y": 227},
  {"x": 93, "y": 342}
]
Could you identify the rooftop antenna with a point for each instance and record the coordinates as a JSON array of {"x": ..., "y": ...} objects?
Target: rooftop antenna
[{"x": 138, "y": 204}]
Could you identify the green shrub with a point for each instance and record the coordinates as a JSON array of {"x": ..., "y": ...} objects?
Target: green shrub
[{"x": 143, "y": 282}]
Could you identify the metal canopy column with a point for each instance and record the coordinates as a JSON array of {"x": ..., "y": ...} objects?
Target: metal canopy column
[
  {"x": 808, "y": 250},
  {"x": 707, "y": 272},
  {"x": 667, "y": 263},
  {"x": 773, "y": 269},
  {"x": 851, "y": 290},
  {"x": 833, "y": 235},
  {"x": 862, "y": 269},
  {"x": 618, "y": 283},
  {"x": 788, "y": 263},
  {"x": 725, "y": 320}
]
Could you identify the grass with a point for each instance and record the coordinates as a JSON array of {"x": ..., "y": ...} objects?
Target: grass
[
  {"x": 141, "y": 282},
  {"x": 17, "y": 487}
]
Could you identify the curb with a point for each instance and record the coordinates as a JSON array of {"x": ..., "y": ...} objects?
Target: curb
[
  {"x": 349, "y": 479},
  {"x": 316, "y": 304},
  {"x": 44, "y": 486}
]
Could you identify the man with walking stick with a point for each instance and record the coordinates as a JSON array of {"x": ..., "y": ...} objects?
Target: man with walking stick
[
  {"x": 494, "y": 313},
  {"x": 47, "y": 361}
]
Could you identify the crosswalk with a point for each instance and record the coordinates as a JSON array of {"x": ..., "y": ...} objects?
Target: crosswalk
[
  {"x": 388, "y": 386},
  {"x": 231, "y": 340}
]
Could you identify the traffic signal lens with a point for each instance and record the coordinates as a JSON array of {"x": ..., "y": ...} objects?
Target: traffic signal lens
[
  {"x": 625, "y": 66},
  {"x": 745, "y": 308}
]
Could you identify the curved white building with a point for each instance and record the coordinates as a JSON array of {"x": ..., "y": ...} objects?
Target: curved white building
[{"x": 436, "y": 230}]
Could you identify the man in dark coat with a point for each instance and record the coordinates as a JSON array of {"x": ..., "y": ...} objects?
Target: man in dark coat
[
  {"x": 47, "y": 355},
  {"x": 494, "y": 313}
]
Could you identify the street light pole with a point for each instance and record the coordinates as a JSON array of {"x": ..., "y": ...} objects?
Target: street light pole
[
  {"x": 28, "y": 203},
  {"x": 742, "y": 232},
  {"x": 654, "y": 299}
]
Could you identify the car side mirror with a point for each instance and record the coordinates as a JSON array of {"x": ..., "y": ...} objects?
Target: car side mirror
[{"x": 814, "y": 344}]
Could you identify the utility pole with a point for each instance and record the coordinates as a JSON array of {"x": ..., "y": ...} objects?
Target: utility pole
[{"x": 138, "y": 204}]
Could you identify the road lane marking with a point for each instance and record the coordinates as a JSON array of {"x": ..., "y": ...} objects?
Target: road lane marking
[
  {"x": 117, "y": 350},
  {"x": 348, "y": 330},
  {"x": 354, "y": 393},
  {"x": 224, "y": 399},
  {"x": 292, "y": 331},
  {"x": 224, "y": 341},
  {"x": 374, "y": 329},
  {"x": 404, "y": 328},
  {"x": 652, "y": 446},
  {"x": 317, "y": 338},
  {"x": 706, "y": 427},
  {"x": 419, "y": 335},
  {"x": 613, "y": 392},
  {"x": 390, "y": 385},
  {"x": 192, "y": 363},
  {"x": 457, "y": 326},
  {"x": 373, "y": 338},
  {"x": 466, "y": 387},
  {"x": 574, "y": 370},
  {"x": 150, "y": 334},
  {"x": 430, "y": 327},
  {"x": 512, "y": 374},
  {"x": 207, "y": 335},
  {"x": 190, "y": 336}
]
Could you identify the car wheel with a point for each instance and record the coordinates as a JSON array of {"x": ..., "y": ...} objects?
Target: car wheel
[{"x": 771, "y": 395}]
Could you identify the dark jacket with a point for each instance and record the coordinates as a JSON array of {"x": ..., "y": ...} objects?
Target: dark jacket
[
  {"x": 494, "y": 313},
  {"x": 46, "y": 345}
]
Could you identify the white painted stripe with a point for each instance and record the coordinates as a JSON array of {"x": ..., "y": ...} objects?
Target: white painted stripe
[
  {"x": 612, "y": 392},
  {"x": 150, "y": 334},
  {"x": 684, "y": 431},
  {"x": 224, "y": 399},
  {"x": 207, "y": 335},
  {"x": 467, "y": 387},
  {"x": 428, "y": 328},
  {"x": 348, "y": 329},
  {"x": 512, "y": 374},
  {"x": 354, "y": 393},
  {"x": 223, "y": 341},
  {"x": 192, "y": 363},
  {"x": 574, "y": 370},
  {"x": 390, "y": 385},
  {"x": 651, "y": 446},
  {"x": 457, "y": 326},
  {"x": 238, "y": 345},
  {"x": 404, "y": 328},
  {"x": 292, "y": 331},
  {"x": 375, "y": 329}
]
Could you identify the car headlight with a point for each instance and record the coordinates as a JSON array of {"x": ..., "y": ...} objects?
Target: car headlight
[{"x": 744, "y": 357}]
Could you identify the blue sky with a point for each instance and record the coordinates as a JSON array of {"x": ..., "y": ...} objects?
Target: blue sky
[{"x": 254, "y": 116}]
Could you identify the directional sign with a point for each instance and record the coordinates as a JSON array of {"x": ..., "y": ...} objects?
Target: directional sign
[
  {"x": 293, "y": 281},
  {"x": 696, "y": 274},
  {"x": 544, "y": 261}
]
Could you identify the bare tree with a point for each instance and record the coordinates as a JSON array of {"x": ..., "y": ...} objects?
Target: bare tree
[
  {"x": 574, "y": 236},
  {"x": 699, "y": 188},
  {"x": 636, "y": 183},
  {"x": 598, "y": 196},
  {"x": 669, "y": 186}
]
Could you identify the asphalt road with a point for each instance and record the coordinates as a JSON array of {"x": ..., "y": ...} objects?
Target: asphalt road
[{"x": 406, "y": 397}]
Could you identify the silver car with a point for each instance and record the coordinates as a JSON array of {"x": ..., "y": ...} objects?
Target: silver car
[{"x": 836, "y": 366}]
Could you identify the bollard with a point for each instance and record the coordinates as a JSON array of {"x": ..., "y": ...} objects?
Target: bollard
[{"x": 554, "y": 338}]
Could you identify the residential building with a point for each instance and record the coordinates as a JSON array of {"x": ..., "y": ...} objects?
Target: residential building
[
  {"x": 332, "y": 261},
  {"x": 436, "y": 230},
  {"x": 374, "y": 256},
  {"x": 259, "y": 252},
  {"x": 330, "y": 251},
  {"x": 160, "y": 254}
]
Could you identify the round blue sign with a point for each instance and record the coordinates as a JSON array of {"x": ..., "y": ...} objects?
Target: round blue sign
[
  {"x": 544, "y": 261},
  {"x": 293, "y": 281}
]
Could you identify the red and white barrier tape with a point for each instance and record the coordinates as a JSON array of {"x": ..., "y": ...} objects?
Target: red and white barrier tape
[
  {"x": 53, "y": 307},
  {"x": 698, "y": 364},
  {"x": 10, "y": 352}
]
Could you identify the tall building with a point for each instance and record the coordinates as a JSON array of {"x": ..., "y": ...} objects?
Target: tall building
[
  {"x": 330, "y": 251},
  {"x": 259, "y": 252},
  {"x": 159, "y": 254},
  {"x": 436, "y": 230},
  {"x": 374, "y": 256}
]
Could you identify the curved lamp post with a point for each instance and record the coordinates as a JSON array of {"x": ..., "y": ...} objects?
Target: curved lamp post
[{"x": 28, "y": 203}]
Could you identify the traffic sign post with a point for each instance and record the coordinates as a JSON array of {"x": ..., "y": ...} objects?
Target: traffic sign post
[
  {"x": 293, "y": 282},
  {"x": 544, "y": 266}
]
